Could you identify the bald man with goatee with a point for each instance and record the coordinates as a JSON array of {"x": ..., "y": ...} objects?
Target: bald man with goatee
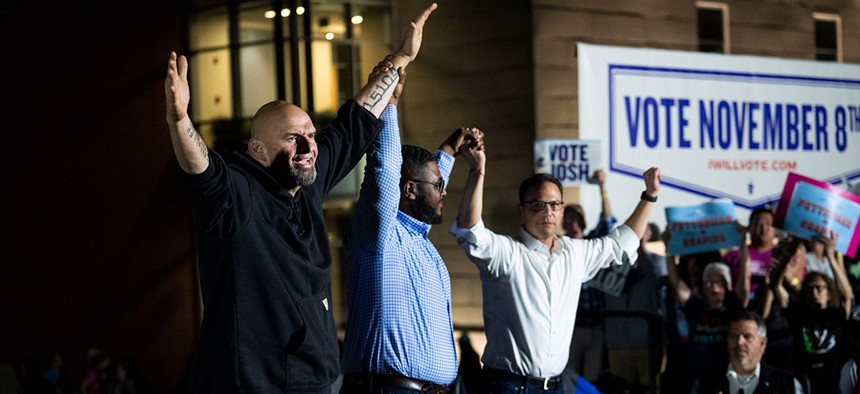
[{"x": 265, "y": 265}]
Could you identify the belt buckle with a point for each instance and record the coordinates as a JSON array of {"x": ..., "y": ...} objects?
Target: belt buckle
[
  {"x": 546, "y": 384},
  {"x": 430, "y": 388}
]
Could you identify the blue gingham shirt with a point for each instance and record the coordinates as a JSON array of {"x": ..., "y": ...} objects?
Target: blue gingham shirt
[{"x": 399, "y": 295}]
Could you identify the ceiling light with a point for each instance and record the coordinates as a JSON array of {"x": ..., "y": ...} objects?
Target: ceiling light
[
  {"x": 285, "y": 12},
  {"x": 300, "y": 10},
  {"x": 269, "y": 14},
  {"x": 329, "y": 36},
  {"x": 357, "y": 19}
]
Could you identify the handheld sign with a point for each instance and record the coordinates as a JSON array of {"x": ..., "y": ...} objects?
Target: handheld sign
[
  {"x": 702, "y": 227},
  {"x": 810, "y": 207},
  {"x": 571, "y": 161}
]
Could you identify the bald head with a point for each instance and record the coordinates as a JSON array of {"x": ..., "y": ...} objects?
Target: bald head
[
  {"x": 274, "y": 116},
  {"x": 283, "y": 138}
]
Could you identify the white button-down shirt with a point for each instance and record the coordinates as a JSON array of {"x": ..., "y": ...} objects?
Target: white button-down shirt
[
  {"x": 531, "y": 293},
  {"x": 748, "y": 383},
  {"x": 738, "y": 382}
]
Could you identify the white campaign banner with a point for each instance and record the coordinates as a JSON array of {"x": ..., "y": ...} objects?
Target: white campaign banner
[
  {"x": 571, "y": 161},
  {"x": 718, "y": 126}
]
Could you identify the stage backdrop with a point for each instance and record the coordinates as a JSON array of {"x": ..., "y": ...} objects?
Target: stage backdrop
[{"x": 718, "y": 126}]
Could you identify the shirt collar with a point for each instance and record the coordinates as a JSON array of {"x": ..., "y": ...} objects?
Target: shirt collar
[
  {"x": 534, "y": 245},
  {"x": 743, "y": 380},
  {"x": 412, "y": 224}
]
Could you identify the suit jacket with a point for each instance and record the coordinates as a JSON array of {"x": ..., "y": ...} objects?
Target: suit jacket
[{"x": 771, "y": 380}]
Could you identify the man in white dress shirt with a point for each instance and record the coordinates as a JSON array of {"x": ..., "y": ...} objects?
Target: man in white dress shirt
[{"x": 531, "y": 284}]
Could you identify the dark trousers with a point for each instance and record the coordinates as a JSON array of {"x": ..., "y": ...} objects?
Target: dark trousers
[{"x": 494, "y": 381}]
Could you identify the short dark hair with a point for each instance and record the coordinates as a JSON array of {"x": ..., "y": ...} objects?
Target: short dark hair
[
  {"x": 751, "y": 315},
  {"x": 415, "y": 159},
  {"x": 537, "y": 180},
  {"x": 758, "y": 212},
  {"x": 655, "y": 232}
]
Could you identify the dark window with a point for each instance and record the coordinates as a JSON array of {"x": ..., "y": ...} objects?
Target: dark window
[
  {"x": 826, "y": 47},
  {"x": 711, "y": 34}
]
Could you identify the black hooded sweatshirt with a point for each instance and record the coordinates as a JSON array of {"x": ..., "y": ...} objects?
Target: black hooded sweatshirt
[{"x": 265, "y": 268}]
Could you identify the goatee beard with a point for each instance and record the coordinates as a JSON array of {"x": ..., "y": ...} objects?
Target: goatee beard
[{"x": 303, "y": 177}]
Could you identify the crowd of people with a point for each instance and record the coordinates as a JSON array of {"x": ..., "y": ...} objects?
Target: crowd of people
[
  {"x": 104, "y": 375},
  {"x": 773, "y": 314}
]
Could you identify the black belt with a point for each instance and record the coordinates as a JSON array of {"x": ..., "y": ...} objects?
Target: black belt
[
  {"x": 550, "y": 383},
  {"x": 369, "y": 382}
]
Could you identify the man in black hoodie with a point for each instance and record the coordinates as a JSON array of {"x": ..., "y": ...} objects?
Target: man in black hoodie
[{"x": 265, "y": 265}]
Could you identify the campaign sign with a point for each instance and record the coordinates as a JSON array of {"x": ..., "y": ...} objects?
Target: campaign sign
[
  {"x": 810, "y": 207},
  {"x": 571, "y": 161},
  {"x": 717, "y": 126},
  {"x": 703, "y": 227},
  {"x": 612, "y": 280}
]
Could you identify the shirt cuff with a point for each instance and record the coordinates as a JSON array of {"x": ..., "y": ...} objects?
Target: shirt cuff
[
  {"x": 628, "y": 239},
  {"x": 469, "y": 235},
  {"x": 445, "y": 163}
]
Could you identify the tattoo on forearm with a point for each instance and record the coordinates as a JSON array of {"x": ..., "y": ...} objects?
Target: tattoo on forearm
[
  {"x": 384, "y": 85},
  {"x": 198, "y": 141}
]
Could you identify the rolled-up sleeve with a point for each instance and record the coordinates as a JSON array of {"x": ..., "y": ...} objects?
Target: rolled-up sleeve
[
  {"x": 618, "y": 247},
  {"x": 483, "y": 247}
]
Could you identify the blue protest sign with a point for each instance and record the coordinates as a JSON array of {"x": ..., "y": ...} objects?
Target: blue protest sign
[{"x": 702, "y": 227}]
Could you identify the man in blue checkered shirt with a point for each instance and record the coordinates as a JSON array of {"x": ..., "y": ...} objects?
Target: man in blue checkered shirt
[{"x": 399, "y": 335}]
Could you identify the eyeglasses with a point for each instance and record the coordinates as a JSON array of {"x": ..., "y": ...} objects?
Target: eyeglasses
[
  {"x": 709, "y": 283},
  {"x": 538, "y": 206},
  {"x": 439, "y": 185}
]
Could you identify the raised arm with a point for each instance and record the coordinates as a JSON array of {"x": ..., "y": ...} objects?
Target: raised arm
[
  {"x": 638, "y": 220},
  {"x": 606, "y": 209},
  {"x": 777, "y": 277},
  {"x": 682, "y": 291},
  {"x": 190, "y": 150},
  {"x": 379, "y": 196},
  {"x": 376, "y": 93},
  {"x": 837, "y": 264},
  {"x": 472, "y": 204},
  {"x": 742, "y": 288}
]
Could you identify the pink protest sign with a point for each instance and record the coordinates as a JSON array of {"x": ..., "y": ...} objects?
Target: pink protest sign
[{"x": 809, "y": 207}]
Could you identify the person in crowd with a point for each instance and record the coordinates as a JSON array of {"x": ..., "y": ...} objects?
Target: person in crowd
[
  {"x": 399, "y": 332},
  {"x": 96, "y": 378},
  {"x": 264, "y": 259},
  {"x": 817, "y": 318},
  {"x": 690, "y": 270},
  {"x": 121, "y": 381},
  {"x": 780, "y": 352},
  {"x": 849, "y": 380},
  {"x": 746, "y": 341},
  {"x": 586, "y": 353},
  {"x": 635, "y": 343},
  {"x": 470, "y": 365},
  {"x": 820, "y": 253},
  {"x": 759, "y": 251},
  {"x": 707, "y": 313},
  {"x": 531, "y": 284},
  {"x": 52, "y": 375}
]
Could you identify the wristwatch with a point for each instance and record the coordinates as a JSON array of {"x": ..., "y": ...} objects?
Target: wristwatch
[{"x": 648, "y": 198}]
